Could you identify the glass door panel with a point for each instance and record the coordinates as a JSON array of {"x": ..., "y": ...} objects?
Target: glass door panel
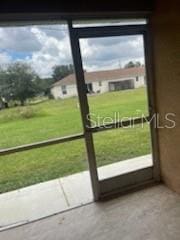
[
  {"x": 113, "y": 69},
  {"x": 115, "y": 78}
]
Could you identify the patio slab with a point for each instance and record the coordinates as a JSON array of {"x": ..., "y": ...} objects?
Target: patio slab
[
  {"x": 77, "y": 188},
  {"x": 52, "y": 197},
  {"x": 34, "y": 202}
]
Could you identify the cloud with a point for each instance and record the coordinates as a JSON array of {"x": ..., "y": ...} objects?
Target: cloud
[
  {"x": 41, "y": 46},
  {"x": 111, "y": 52},
  {"x": 56, "y": 31},
  {"x": 4, "y": 59},
  {"x": 18, "y": 39},
  {"x": 45, "y": 46},
  {"x": 54, "y": 51}
]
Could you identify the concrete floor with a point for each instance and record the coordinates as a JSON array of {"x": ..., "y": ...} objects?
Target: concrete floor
[
  {"x": 48, "y": 198},
  {"x": 149, "y": 214}
]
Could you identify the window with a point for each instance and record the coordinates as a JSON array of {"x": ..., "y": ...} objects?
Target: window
[
  {"x": 64, "y": 89},
  {"x": 137, "y": 78},
  {"x": 100, "y": 83},
  {"x": 49, "y": 118},
  {"x": 89, "y": 88},
  {"x": 38, "y": 117}
]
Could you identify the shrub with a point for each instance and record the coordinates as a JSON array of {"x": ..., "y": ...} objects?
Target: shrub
[{"x": 26, "y": 112}]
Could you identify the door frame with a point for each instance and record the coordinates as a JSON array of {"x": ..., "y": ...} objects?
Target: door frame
[{"x": 102, "y": 188}]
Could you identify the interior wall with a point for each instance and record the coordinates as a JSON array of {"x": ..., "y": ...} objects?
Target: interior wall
[{"x": 165, "y": 31}]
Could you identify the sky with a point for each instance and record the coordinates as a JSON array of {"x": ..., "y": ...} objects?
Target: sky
[{"x": 45, "y": 46}]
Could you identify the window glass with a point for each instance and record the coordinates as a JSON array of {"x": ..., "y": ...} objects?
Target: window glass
[
  {"x": 39, "y": 165},
  {"x": 35, "y": 70},
  {"x": 64, "y": 90},
  {"x": 130, "y": 146},
  {"x": 117, "y": 63}
]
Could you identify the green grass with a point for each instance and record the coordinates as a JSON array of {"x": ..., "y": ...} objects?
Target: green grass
[{"x": 56, "y": 118}]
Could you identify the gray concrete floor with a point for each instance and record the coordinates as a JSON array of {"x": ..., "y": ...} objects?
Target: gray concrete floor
[
  {"x": 48, "y": 198},
  {"x": 149, "y": 214}
]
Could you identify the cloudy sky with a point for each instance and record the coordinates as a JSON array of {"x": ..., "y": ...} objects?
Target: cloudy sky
[{"x": 46, "y": 46}]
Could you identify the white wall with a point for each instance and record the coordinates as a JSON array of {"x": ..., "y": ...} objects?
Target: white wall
[
  {"x": 101, "y": 89},
  {"x": 72, "y": 90},
  {"x": 140, "y": 82},
  {"x": 57, "y": 91}
]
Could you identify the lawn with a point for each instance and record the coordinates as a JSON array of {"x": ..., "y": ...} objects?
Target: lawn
[{"x": 56, "y": 118}]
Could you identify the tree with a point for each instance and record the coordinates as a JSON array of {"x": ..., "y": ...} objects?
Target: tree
[
  {"x": 61, "y": 71},
  {"x": 131, "y": 64},
  {"x": 137, "y": 64},
  {"x": 3, "y": 90},
  {"x": 5, "y": 85},
  {"x": 19, "y": 82},
  {"x": 45, "y": 85}
]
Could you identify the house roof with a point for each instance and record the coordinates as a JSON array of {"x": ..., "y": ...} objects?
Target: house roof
[{"x": 103, "y": 75}]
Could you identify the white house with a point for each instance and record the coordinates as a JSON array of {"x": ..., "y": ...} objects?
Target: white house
[{"x": 101, "y": 82}]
